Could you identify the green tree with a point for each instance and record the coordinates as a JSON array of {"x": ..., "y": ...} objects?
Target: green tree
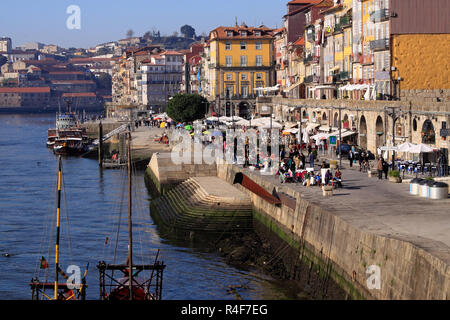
[
  {"x": 187, "y": 31},
  {"x": 184, "y": 107}
]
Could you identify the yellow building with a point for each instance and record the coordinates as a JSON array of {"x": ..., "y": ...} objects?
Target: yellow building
[
  {"x": 422, "y": 76},
  {"x": 368, "y": 35},
  {"x": 240, "y": 60}
]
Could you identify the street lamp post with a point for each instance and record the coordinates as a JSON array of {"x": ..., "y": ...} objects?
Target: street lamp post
[
  {"x": 395, "y": 116},
  {"x": 300, "y": 129},
  {"x": 340, "y": 139}
]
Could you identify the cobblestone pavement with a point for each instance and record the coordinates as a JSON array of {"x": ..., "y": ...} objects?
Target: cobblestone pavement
[{"x": 384, "y": 208}]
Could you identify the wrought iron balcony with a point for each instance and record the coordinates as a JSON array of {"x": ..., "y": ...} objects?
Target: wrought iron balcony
[
  {"x": 308, "y": 59},
  {"x": 346, "y": 21},
  {"x": 379, "y": 15},
  {"x": 312, "y": 79},
  {"x": 343, "y": 75},
  {"x": 379, "y": 45},
  {"x": 337, "y": 28}
]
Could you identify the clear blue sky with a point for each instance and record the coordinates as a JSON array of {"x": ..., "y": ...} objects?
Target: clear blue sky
[{"x": 102, "y": 20}]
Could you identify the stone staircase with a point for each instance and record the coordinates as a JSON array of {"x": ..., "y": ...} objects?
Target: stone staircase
[{"x": 189, "y": 208}]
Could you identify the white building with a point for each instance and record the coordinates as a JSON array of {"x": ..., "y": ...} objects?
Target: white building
[{"x": 159, "y": 78}]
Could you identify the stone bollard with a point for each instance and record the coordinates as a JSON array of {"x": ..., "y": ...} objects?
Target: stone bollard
[{"x": 327, "y": 191}]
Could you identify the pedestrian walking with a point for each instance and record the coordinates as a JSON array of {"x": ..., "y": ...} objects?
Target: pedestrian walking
[
  {"x": 385, "y": 169},
  {"x": 350, "y": 158},
  {"x": 380, "y": 168},
  {"x": 311, "y": 160}
]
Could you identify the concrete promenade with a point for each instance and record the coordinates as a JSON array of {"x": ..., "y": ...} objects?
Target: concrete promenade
[{"x": 383, "y": 208}]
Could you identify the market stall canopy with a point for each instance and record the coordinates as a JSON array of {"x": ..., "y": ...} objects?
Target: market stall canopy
[
  {"x": 421, "y": 148},
  {"x": 290, "y": 125},
  {"x": 312, "y": 126},
  {"x": 388, "y": 148},
  {"x": 405, "y": 147},
  {"x": 265, "y": 123},
  {"x": 243, "y": 122}
]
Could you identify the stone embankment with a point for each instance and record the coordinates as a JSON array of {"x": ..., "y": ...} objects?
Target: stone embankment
[
  {"x": 356, "y": 250},
  {"x": 203, "y": 205}
]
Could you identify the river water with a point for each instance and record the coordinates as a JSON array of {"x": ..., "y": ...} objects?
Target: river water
[{"x": 93, "y": 203}]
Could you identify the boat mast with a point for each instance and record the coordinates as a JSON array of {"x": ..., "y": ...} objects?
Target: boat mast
[
  {"x": 130, "y": 226},
  {"x": 58, "y": 218}
]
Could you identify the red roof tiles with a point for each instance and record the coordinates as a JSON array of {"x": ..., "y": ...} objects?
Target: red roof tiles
[{"x": 25, "y": 90}]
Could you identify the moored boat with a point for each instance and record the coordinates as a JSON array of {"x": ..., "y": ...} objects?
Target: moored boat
[
  {"x": 66, "y": 290},
  {"x": 137, "y": 281}
]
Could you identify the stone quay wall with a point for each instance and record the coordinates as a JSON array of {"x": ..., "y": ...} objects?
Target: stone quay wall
[{"x": 346, "y": 252}]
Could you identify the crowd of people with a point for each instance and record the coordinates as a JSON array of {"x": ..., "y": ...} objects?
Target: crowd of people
[{"x": 296, "y": 167}]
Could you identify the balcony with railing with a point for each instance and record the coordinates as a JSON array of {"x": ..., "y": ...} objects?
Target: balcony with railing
[
  {"x": 346, "y": 21},
  {"x": 379, "y": 45},
  {"x": 312, "y": 79},
  {"x": 379, "y": 15},
  {"x": 308, "y": 59},
  {"x": 337, "y": 28},
  {"x": 344, "y": 75}
]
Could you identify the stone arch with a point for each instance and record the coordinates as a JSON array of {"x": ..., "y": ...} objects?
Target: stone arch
[
  {"x": 363, "y": 133},
  {"x": 336, "y": 120},
  {"x": 428, "y": 133},
  {"x": 380, "y": 134},
  {"x": 346, "y": 122},
  {"x": 324, "y": 116}
]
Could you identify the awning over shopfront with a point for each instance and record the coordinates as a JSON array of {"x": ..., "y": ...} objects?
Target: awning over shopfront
[
  {"x": 292, "y": 87},
  {"x": 323, "y": 136}
]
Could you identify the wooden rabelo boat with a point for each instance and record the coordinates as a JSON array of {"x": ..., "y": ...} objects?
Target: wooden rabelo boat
[
  {"x": 61, "y": 290},
  {"x": 135, "y": 281}
]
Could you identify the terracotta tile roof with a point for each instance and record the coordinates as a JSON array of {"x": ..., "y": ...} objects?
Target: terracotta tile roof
[
  {"x": 300, "y": 41},
  {"x": 221, "y": 32},
  {"x": 307, "y": 4},
  {"x": 72, "y": 82},
  {"x": 333, "y": 8},
  {"x": 79, "y": 94},
  {"x": 171, "y": 53},
  {"x": 66, "y": 72},
  {"x": 25, "y": 90},
  {"x": 279, "y": 30},
  {"x": 304, "y": 1}
]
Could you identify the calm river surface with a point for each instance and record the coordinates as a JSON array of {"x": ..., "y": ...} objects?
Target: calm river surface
[{"x": 92, "y": 203}]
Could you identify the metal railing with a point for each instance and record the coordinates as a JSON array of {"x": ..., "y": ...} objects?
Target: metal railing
[
  {"x": 379, "y": 15},
  {"x": 382, "y": 44}
]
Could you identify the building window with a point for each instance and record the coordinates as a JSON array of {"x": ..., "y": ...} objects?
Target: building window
[
  {"x": 258, "y": 33},
  {"x": 243, "y": 61},
  {"x": 228, "y": 45},
  {"x": 243, "y": 33},
  {"x": 243, "y": 45},
  {"x": 244, "y": 91},
  {"x": 243, "y": 76},
  {"x": 258, "y": 45},
  {"x": 229, "y": 61},
  {"x": 229, "y": 91},
  {"x": 259, "y": 76},
  {"x": 229, "y": 76},
  {"x": 229, "y": 33},
  {"x": 258, "y": 61}
]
